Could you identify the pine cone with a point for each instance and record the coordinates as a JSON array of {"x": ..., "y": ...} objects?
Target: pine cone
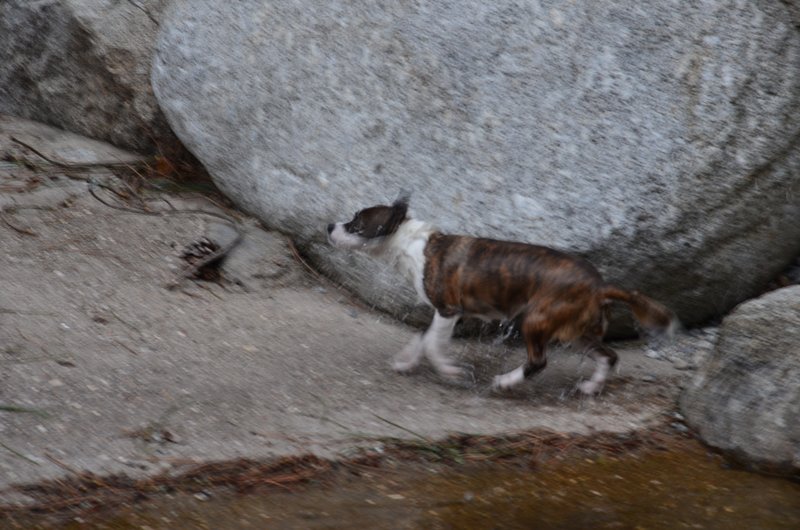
[{"x": 198, "y": 250}]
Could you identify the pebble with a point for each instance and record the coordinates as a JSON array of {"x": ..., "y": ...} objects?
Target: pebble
[
  {"x": 652, "y": 354},
  {"x": 680, "y": 427},
  {"x": 680, "y": 364},
  {"x": 704, "y": 344}
]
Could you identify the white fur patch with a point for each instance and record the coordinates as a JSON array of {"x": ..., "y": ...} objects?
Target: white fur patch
[
  {"x": 339, "y": 237},
  {"x": 598, "y": 379},
  {"x": 410, "y": 356},
  {"x": 509, "y": 379},
  {"x": 435, "y": 341},
  {"x": 406, "y": 248},
  {"x": 431, "y": 343}
]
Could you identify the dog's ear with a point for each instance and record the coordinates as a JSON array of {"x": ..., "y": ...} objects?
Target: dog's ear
[
  {"x": 399, "y": 212},
  {"x": 402, "y": 199}
]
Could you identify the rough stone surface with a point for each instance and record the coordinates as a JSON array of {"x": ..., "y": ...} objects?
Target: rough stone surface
[
  {"x": 746, "y": 397},
  {"x": 56, "y": 146},
  {"x": 658, "y": 139},
  {"x": 104, "y": 369},
  {"x": 84, "y": 66}
]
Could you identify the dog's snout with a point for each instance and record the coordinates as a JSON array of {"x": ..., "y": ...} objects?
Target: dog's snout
[{"x": 331, "y": 227}]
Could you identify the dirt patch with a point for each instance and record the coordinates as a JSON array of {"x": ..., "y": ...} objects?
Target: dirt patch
[
  {"x": 84, "y": 496},
  {"x": 655, "y": 478}
]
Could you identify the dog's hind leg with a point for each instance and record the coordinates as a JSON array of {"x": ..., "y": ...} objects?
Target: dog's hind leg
[
  {"x": 605, "y": 359},
  {"x": 537, "y": 335}
]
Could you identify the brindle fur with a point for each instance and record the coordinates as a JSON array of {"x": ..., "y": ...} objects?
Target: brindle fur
[{"x": 554, "y": 295}]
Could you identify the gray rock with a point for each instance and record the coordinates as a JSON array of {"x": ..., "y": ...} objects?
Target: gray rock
[
  {"x": 658, "y": 139},
  {"x": 83, "y": 65},
  {"x": 681, "y": 364},
  {"x": 746, "y": 398}
]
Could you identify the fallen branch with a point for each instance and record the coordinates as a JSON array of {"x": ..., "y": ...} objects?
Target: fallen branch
[
  {"x": 304, "y": 263},
  {"x": 24, "y": 410},
  {"x": 18, "y": 454},
  {"x": 194, "y": 268},
  {"x": 69, "y": 165},
  {"x": 23, "y": 231},
  {"x": 404, "y": 429},
  {"x": 6, "y": 311}
]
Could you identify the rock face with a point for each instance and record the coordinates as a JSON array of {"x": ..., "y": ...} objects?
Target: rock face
[
  {"x": 84, "y": 66},
  {"x": 660, "y": 140},
  {"x": 746, "y": 399}
]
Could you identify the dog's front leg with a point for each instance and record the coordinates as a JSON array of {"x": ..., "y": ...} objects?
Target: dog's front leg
[
  {"x": 434, "y": 344},
  {"x": 410, "y": 356}
]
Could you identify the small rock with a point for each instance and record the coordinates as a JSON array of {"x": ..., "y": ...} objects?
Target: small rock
[
  {"x": 680, "y": 364},
  {"x": 100, "y": 319},
  {"x": 652, "y": 354},
  {"x": 704, "y": 344},
  {"x": 680, "y": 427}
]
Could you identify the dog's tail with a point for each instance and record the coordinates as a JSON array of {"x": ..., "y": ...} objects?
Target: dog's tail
[{"x": 650, "y": 314}]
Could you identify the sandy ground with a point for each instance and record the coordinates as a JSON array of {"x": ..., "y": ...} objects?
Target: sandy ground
[{"x": 104, "y": 368}]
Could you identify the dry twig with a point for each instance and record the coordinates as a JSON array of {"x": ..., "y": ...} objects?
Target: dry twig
[
  {"x": 23, "y": 231},
  {"x": 69, "y": 165}
]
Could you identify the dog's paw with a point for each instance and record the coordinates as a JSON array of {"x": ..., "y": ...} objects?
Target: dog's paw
[
  {"x": 452, "y": 371},
  {"x": 590, "y": 388},
  {"x": 404, "y": 366},
  {"x": 508, "y": 380},
  {"x": 409, "y": 357},
  {"x": 499, "y": 384}
]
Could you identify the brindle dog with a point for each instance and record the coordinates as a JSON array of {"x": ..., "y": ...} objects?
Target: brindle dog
[{"x": 553, "y": 295}]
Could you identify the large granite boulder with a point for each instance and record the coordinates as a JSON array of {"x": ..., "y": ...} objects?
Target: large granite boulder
[
  {"x": 746, "y": 398},
  {"x": 658, "y": 139},
  {"x": 84, "y": 66}
]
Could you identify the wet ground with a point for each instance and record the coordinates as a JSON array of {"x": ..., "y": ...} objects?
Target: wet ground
[{"x": 680, "y": 486}]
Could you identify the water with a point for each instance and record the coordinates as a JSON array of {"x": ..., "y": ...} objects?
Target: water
[{"x": 684, "y": 487}]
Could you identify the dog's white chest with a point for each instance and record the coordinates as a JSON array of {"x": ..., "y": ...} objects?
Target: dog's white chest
[{"x": 408, "y": 248}]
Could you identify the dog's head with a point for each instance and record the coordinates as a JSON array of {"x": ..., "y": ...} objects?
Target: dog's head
[{"x": 370, "y": 227}]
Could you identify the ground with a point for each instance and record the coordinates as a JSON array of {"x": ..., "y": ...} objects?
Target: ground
[{"x": 112, "y": 364}]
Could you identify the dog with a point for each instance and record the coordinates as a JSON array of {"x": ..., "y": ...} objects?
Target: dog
[{"x": 552, "y": 295}]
